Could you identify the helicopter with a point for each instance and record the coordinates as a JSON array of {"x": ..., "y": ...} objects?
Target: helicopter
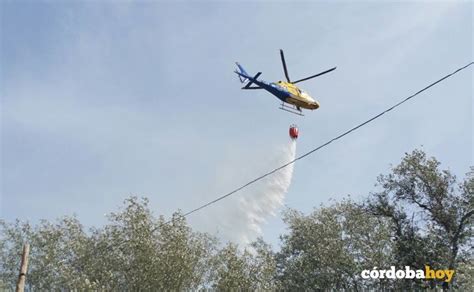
[{"x": 293, "y": 99}]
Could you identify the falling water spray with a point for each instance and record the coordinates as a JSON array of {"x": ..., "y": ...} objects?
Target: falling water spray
[
  {"x": 262, "y": 202},
  {"x": 240, "y": 218}
]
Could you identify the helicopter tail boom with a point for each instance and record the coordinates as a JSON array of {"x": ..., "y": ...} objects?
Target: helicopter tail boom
[
  {"x": 243, "y": 75},
  {"x": 246, "y": 78}
]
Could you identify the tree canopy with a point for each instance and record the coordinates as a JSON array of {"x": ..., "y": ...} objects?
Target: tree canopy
[{"x": 418, "y": 215}]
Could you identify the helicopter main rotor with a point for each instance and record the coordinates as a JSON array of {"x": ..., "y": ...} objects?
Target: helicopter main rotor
[{"x": 285, "y": 69}]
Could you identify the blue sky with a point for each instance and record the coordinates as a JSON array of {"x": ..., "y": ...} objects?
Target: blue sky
[{"x": 101, "y": 100}]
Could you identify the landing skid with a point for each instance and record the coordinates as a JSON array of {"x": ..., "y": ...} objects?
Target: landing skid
[{"x": 291, "y": 109}]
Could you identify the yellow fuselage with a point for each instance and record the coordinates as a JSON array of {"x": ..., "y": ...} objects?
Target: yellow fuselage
[{"x": 298, "y": 97}]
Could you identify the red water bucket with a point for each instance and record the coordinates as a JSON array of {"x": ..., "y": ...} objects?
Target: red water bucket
[{"x": 293, "y": 132}]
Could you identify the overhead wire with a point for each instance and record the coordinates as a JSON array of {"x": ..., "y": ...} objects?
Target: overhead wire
[
  {"x": 305, "y": 154},
  {"x": 325, "y": 144}
]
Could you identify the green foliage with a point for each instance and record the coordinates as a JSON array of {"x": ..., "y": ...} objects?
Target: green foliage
[
  {"x": 134, "y": 251},
  {"x": 432, "y": 214},
  {"x": 328, "y": 248},
  {"x": 465, "y": 275},
  {"x": 54, "y": 249},
  {"x": 232, "y": 269},
  {"x": 420, "y": 215},
  {"x": 247, "y": 269}
]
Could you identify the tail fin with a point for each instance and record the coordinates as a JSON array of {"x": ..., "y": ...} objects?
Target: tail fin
[{"x": 243, "y": 75}]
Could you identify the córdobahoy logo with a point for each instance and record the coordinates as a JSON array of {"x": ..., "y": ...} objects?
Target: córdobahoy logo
[{"x": 408, "y": 273}]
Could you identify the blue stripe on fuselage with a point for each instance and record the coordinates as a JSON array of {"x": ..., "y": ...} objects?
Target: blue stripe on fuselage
[
  {"x": 278, "y": 91},
  {"x": 273, "y": 88}
]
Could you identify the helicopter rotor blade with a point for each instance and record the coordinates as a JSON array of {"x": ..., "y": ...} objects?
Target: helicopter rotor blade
[
  {"x": 284, "y": 65},
  {"x": 319, "y": 74}
]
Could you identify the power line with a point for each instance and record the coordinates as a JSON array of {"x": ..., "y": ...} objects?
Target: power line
[
  {"x": 325, "y": 144},
  {"x": 300, "y": 157}
]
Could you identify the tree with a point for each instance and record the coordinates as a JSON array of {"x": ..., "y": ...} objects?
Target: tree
[
  {"x": 138, "y": 252},
  {"x": 431, "y": 213},
  {"x": 251, "y": 268},
  {"x": 328, "y": 249},
  {"x": 264, "y": 266},
  {"x": 420, "y": 216},
  {"x": 55, "y": 249},
  {"x": 133, "y": 252},
  {"x": 232, "y": 269}
]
